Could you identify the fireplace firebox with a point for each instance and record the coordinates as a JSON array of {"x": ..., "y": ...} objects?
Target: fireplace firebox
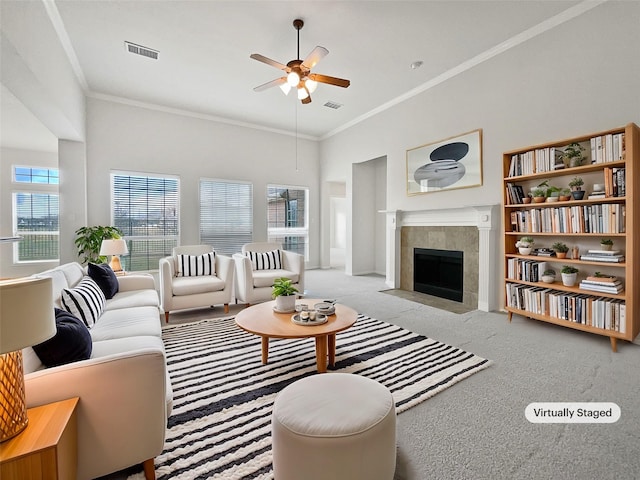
[{"x": 438, "y": 272}]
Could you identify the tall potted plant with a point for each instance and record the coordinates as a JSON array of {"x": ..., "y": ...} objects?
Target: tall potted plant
[
  {"x": 89, "y": 239},
  {"x": 285, "y": 294}
]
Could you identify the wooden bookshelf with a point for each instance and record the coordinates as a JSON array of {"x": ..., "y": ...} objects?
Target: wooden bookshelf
[{"x": 612, "y": 158}]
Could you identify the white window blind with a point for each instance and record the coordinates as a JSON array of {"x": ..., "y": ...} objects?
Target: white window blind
[
  {"x": 287, "y": 217},
  {"x": 226, "y": 214},
  {"x": 36, "y": 220},
  {"x": 146, "y": 209}
]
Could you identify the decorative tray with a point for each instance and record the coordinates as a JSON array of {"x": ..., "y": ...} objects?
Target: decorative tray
[{"x": 320, "y": 319}]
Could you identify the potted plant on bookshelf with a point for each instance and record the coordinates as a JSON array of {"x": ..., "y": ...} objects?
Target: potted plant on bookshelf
[
  {"x": 569, "y": 275},
  {"x": 606, "y": 244},
  {"x": 573, "y": 155},
  {"x": 285, "y": 294},
  {"x": 548, "y": 276},
  {"x": 525, "y": 245},
  {"x": 565, "y": 195},
  {"x": 576, "y": 188},
  {"x": 561, "y": 249},
  {"x": 539, "y": 194}
]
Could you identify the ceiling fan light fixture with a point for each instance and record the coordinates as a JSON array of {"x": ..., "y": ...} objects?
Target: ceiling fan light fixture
[
  {"x": 293, "y": 78},
  {"x": 286, "y": 88},
  {"x": 303, "y": 93},
  {"x": 311, "y": 85}
]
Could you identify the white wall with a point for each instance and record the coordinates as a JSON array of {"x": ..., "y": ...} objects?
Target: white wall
[
  {"x": 36, "y": 69},
  {"x": 577, "y": 78},
  {"x": 131, "y": 138}
]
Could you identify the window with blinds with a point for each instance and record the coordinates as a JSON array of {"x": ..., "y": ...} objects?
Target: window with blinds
[
  {"x": 146, "y": 209},
  {"x": 287, "y": 217},
  {"x": 36, "y": 220},
  {"x": 226, "y": 214}
]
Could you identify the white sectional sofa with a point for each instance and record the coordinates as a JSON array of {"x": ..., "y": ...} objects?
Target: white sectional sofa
[{"x": 124, "y": 388}]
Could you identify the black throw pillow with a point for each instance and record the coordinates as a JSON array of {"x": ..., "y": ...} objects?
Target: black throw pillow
[
  {"x": 72, "y": 341},
  {"x": 105, "y": 278}
]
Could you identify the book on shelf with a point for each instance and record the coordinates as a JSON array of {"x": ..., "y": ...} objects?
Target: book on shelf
[
  {"x": 604, "y": 252},
  {"x": 601, "y": 279},
  {"x": 603, "y": 258},
  {"x": 615, "y": 289}
]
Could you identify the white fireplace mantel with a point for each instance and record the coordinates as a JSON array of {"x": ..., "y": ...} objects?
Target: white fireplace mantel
[{"x": 485, "y": 217}]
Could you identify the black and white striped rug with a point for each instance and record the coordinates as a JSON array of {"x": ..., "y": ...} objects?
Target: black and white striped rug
[{"x": 223, "y": 395}]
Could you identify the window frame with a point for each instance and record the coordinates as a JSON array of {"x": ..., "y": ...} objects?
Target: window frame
[
  {"x": 273, "y": 233},
  {"x": 202, "y": 240},
  {"x": 14, "y": 225},
  {"x": 132, "y": 238}
]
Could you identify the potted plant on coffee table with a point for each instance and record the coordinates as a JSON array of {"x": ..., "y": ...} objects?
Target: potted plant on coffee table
[
  {"x": 285, "y": 295},
  {"x": 569, "y": 275},
  {"x": 561, "y": 249}
]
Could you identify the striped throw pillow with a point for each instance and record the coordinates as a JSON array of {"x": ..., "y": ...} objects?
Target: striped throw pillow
[
  {"x": 265, "y": 261},
  {"x": 85, "y": 301},
  {"x": 196, "y": 265}
]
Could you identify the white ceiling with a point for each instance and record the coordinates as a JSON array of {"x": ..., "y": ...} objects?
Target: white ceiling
[{"x": 204, "y": 65}]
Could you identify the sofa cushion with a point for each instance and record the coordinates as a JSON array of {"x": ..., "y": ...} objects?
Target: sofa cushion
[
  {"x": 193, "y": 285},
  {"x": 72, "y": 341},
  {"x": 196, "y": 265},
  {"x": 105, "y": 278},
  {"x": 265, "y": 278},
  {"x": 133, "y": 298},
  {"x": 85, "y": 301},
  {"x": 265, "y": 260},
  {"x": 59, "y": 282},
  {"x": 132, "y": 322}
]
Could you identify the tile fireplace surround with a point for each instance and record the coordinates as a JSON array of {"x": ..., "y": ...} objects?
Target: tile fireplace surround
[{"x": 473, "y": 230}]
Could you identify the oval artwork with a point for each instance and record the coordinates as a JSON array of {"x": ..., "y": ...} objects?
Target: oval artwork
[{"x": 444, "y": 170}]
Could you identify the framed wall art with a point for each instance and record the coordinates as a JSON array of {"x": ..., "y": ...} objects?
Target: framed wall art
[{"x": 448, "y": 164}]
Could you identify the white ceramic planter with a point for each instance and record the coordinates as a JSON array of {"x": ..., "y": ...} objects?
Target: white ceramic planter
[
  {"x": 548, "y": 278},
  {"x": 569, "y": 279},
  {"x": 286, "y": 303},
  {"x": 525, "y": 250}
]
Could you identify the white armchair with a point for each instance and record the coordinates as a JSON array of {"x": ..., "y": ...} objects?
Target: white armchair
[
  {"x": 191, "y": 285},
  {"x": 255, "y": 279}
]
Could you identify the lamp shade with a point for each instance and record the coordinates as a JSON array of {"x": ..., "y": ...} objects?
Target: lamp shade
[
  {"x": 114, "y": 246},
  {"x": 27, "y": 317}
]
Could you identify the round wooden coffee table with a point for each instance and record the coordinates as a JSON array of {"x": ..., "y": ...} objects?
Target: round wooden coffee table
[{"x": 262, "y": 320}]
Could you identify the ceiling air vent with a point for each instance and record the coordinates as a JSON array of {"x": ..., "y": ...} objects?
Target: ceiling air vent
[
  {"x": 140, "y": 50},
  {"x": 333, "y": 105}
]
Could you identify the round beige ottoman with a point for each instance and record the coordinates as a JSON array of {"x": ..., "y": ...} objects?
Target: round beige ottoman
[{"x": 334, "y": 426}]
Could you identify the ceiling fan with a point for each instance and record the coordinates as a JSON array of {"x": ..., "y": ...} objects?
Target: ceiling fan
[{"x": 298, "y": 72}]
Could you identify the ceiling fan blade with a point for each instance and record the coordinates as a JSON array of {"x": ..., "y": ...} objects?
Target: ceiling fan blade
[
  {"x": 338, "y": 82},
  {"x": 306, "y": 100},
  {"x": 273, "y": 83},
  {"x": 268, "y": 61},
  {"x": 315, "y": 56}
]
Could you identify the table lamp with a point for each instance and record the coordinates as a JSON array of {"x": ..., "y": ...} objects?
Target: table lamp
[
  {"x": 114, "y": 247},
  {"x": 27, "y": 318}
]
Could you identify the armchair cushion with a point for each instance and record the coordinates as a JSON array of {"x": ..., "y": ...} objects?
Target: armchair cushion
[
  {"x": 85, "y": 301},
  {"x": 105, "y": 278},
  {"x": 192, "y": 285},
  {"x": 265, "y": 260},
  {"x": 71, "y": 342},
  {"x": 196, "y": 265},
  {"x": 265, "y": 278}
]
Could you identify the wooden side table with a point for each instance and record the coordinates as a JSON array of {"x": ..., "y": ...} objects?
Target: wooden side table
[{"x": 47, "y": 448}]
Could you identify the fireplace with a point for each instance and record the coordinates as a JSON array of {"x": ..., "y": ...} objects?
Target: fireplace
[{"x": 438, "y": 272}]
